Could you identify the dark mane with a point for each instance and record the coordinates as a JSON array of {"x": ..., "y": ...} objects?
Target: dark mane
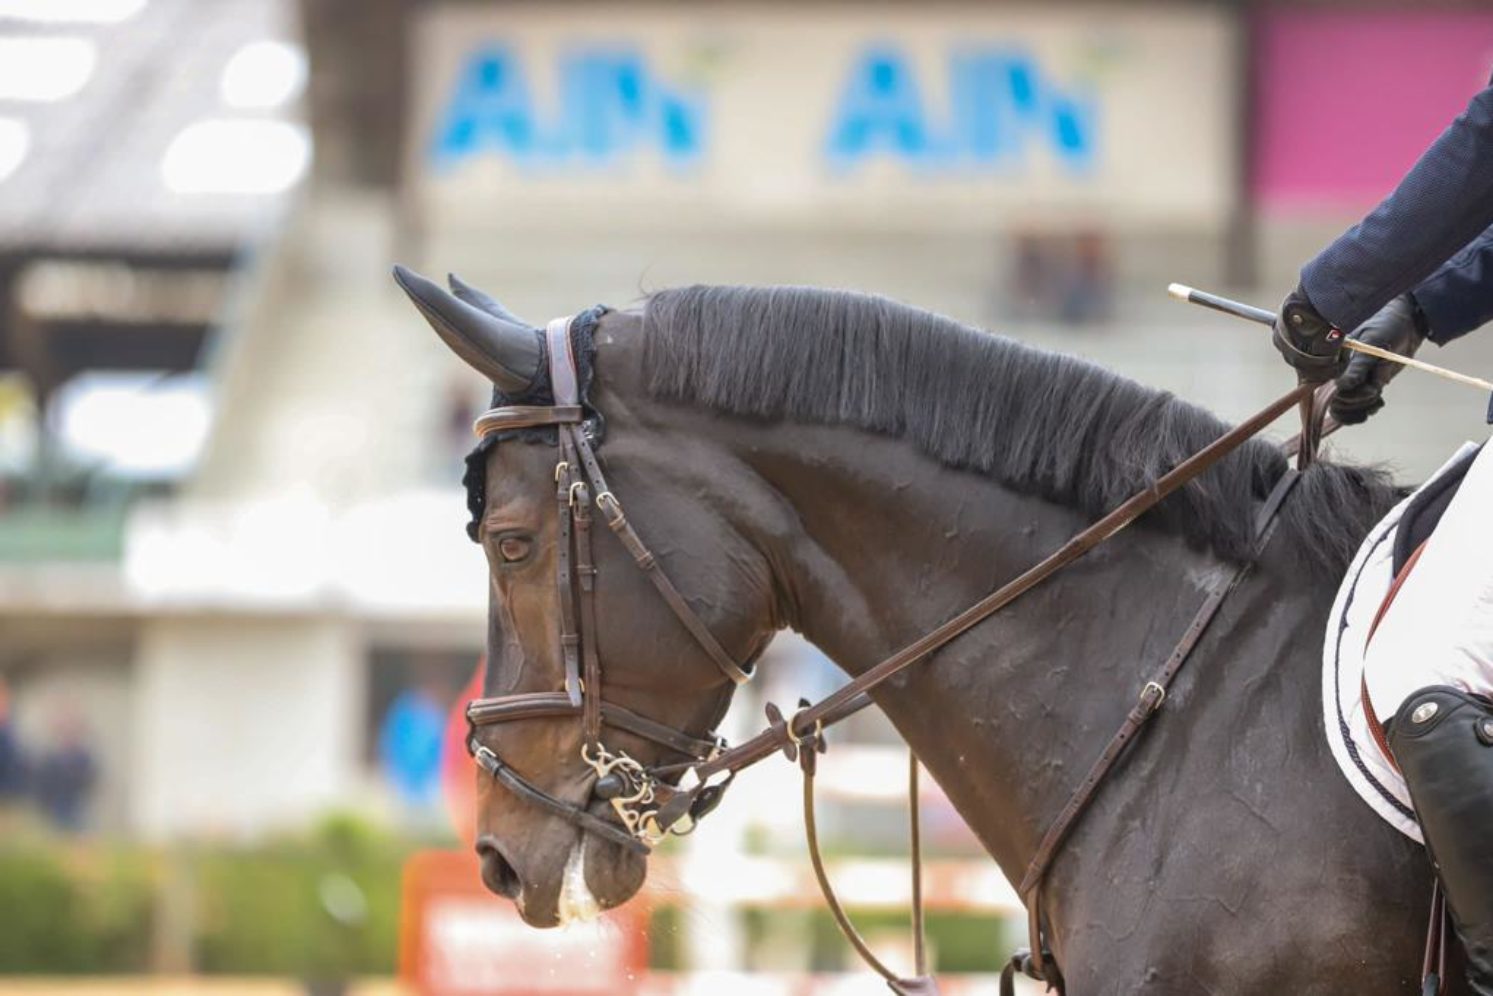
[{"x": 1040, "y": 422}]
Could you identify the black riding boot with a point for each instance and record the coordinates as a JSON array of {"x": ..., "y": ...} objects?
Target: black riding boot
[{"x": 1442, "y": 739}]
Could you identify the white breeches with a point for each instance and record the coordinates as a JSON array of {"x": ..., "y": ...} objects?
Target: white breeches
[{"x": 1439, "y": 629}]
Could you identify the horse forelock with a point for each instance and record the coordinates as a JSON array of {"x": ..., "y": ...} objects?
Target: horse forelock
[{"x": 1039, "y": 422}]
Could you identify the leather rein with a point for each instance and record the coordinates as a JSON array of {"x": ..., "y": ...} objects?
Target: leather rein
[{"x": 650, "y": 802}]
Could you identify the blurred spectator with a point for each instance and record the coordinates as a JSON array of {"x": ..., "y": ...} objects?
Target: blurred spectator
[
  {"x": 12, "y": 762},
  {"x": 1088, "y": 289},
  {"x": 409, "y": 743},
  {"x": 1029, "y": 292},
  {"x": 1060, "y": 278},
  {"x": 66, "y": 774}
]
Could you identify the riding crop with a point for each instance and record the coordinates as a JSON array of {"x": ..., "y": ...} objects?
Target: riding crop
[{"x": 1237, "y": 308}]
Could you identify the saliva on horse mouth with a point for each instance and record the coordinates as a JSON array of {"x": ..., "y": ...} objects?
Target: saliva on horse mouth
[{"x": 577, "y": 904}]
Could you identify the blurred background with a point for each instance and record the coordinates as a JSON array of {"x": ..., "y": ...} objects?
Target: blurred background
[{"x": 236, "y": 601}]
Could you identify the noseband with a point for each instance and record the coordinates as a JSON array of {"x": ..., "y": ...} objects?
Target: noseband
[{"x": 634, "y": 791}]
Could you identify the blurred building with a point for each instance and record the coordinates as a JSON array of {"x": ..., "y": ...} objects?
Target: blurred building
[{"x": 230, "y": 532}]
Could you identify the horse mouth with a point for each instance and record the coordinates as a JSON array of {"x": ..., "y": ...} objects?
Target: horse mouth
[
  {"x": 498, "y": 873},
  {"x": 595, "y": 879}
]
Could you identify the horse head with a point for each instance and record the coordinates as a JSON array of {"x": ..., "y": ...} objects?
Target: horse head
[{"x": 567, "y": 805}]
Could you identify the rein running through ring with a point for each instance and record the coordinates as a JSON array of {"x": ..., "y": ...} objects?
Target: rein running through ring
[{"x": 648, "y": 806}]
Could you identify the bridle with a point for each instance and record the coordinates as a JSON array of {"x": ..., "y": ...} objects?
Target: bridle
[
  {"x": 650, "y": 802},
  {"x": 634, "y": 791}
]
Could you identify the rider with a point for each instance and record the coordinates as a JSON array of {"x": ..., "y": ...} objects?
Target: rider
[{"x": 1420, "y": 266}]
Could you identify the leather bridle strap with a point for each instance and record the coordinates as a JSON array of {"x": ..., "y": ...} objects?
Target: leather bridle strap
[
  {"x": 570, "y": 634},
  {"x": 511, "y": 417},
  {"x": 1152, "y": 695},
  {"x": 523, "y": 789},
  {"x": 852, "y": 696},
  {"x": 577, "y": 473},
  {"x": 556, "y": 705},
  {"x": 617, "y": 521},
  {"x": 585, "y": 569}
]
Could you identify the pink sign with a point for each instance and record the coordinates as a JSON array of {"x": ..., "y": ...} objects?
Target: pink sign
[{"x": 1346, "y": 101}]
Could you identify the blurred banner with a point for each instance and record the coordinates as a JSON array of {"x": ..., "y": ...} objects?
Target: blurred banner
[
  {"x": 820, "y": 113},
  {"x": 1348, "y": 100}
]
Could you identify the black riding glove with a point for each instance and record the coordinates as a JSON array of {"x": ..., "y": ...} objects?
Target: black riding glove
[
  {"x": 1307, "y": 340},
  {"x": 1399, "y": 327}
]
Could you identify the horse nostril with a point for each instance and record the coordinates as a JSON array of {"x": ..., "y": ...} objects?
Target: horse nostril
[{"x": 497, "y": 874}]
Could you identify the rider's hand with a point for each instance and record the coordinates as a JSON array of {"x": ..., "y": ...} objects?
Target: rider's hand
[
  {"x": 1307, "y": 340},
  {"x": 1398, "y": 327}
]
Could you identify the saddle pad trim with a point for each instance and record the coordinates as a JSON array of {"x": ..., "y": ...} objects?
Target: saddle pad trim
[{"x": 1344, "y": 716}]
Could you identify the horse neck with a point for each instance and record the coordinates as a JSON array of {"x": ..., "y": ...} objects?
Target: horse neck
[{"x": 888, "y": 543}]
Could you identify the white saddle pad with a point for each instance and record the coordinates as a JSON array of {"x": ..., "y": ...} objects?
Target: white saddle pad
[{"x": 1358, "y": 600}]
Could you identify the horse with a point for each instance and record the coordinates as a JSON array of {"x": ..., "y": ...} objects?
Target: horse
[{"x": 859, "y": 470}]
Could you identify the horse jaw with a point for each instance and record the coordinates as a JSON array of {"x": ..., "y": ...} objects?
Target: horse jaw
[{"x": 577, "y": 904}]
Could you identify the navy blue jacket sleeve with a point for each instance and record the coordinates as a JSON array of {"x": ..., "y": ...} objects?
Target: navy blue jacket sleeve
[
  {"x": 1440, "y": 206},
  {"x": 1459, "y": 297}
]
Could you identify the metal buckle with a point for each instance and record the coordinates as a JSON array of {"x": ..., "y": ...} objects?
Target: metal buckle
[
  {"x": 610, "y": 507},
  {"x": 1152, "y": 696},
  {"x": 485, "y": 758},
  {"x": 718, "y": 747}
]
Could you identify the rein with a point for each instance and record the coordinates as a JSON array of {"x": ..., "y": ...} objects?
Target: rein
[{"x": 648, "y": 806}]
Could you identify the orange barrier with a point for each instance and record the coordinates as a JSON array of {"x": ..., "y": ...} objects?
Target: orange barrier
[{"x": 458, "y": 939}]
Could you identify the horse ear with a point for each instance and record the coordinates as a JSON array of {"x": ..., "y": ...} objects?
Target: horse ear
[
  {"x": 481, "y": 300},
  {"x": 502, "y": 348}
]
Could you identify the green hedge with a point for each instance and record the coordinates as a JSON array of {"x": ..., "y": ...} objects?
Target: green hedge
[
  {"x": 79, "y": 909},
  {"x": 276, "y": 909},
  {"x": 70, "y": 911},
  {"x": 70, "y": 908}
]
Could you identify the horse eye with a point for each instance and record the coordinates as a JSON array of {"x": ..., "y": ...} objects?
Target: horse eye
[{"x": 514, "y": 549}]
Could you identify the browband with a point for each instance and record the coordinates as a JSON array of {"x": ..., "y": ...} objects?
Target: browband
[{"x": 510, "y": 417}]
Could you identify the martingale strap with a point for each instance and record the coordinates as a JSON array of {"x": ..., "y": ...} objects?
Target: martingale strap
[{"x": 1148, "y": 704}]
